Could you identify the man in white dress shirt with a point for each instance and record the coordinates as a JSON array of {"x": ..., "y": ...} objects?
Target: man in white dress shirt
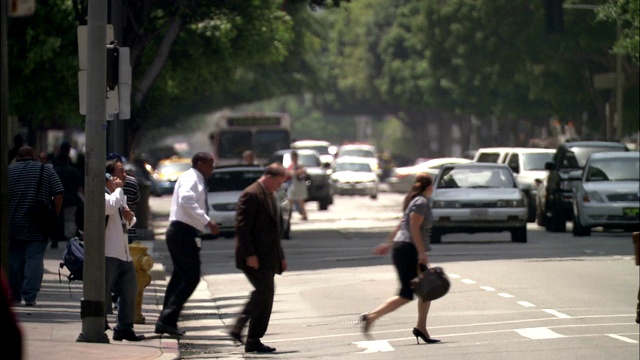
[{"x": 188, "y": 217}]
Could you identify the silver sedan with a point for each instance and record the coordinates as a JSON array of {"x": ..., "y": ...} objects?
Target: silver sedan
[
  {"x": 478, "y": 197},
  {"x": 609, "y": 194}
]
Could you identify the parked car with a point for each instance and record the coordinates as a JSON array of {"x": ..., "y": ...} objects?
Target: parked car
[
  {"x": 354, "y": 176},
  {"x": 555, "y": 194},
  {"x": 491, "y": 154},
  {"x": 402, "y": 178},
  {"x": 324, "y": 149},
  {"x": 166, "y": 173},
  {"x": 609, "y": 194},
  {"x": 318, "y": 185},
  {"x": 361, "y": 150},
  {"x": 528, "y": 166},
  {"x": 225, "y": 186},
  {"x": 477, "y": 197}
]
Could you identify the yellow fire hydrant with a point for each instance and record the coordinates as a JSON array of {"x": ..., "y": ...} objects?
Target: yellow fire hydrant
[{"x": 142, "y": 262}]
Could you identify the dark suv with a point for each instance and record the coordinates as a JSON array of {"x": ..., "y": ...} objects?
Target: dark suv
[
  {"x": 318, "y": 186},
  {"x": 555, "y": 194}
]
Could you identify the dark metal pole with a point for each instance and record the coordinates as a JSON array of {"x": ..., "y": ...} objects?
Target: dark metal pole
[{"x": 92, "y": 307}]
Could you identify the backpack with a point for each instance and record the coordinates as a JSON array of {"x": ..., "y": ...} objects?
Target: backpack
[{"x": 73, "y": 260}]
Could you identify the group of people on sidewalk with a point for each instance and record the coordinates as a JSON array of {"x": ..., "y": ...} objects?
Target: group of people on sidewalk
[{"x": 258, "y": 250}]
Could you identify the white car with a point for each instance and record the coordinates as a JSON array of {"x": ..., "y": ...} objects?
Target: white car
[
  {"x": 325, "y": 150},
  {"x": 354, "y": 176},
  {"x": 609, "y": 194},
  {"x": 477, "y": 197},
  {"x": 366, "y": 151},
  {"x": 225, "y": 186},
  {"x": 528, "y": 166},
  {"x": 402, "y": 178}
]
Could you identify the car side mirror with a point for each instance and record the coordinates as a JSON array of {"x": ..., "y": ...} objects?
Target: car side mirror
[{"x": 550, "y": 166}]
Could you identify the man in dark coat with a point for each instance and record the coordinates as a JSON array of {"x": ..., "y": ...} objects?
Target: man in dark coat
[{"x": 259, "y": 254}]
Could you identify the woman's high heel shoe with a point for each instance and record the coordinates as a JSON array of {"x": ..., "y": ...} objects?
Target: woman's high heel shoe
[{"x": 419, "y": 334}]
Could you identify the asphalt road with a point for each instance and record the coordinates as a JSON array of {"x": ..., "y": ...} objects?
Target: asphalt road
[{"x": 555, "y": 297}]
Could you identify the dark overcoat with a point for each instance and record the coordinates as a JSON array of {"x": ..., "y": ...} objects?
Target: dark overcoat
[{"x": 257, "y": 230}]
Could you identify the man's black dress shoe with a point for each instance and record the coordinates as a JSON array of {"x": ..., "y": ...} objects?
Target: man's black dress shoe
[
  {"x": 257, "y": 346},
  {"x": 130, "y": 335},
  {"x": 166, "y": 329},
  {"x": 236, "y": 337}
]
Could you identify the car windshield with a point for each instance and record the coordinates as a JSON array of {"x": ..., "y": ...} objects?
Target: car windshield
[
  {"x": 475, "y": 178},
  {"x": 308, "y": 160},
  {"x": 232, "y": 180},
  {"x": 613, "y": 170},
  {"x": 357, "y": 153},
  {"x": 536, "y": 161},
  {"x": 171, "y": 168},
  {"x": 358, "y": 167}
]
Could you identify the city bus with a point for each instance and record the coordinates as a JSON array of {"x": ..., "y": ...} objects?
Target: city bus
[{"x": 261, "y": 132}]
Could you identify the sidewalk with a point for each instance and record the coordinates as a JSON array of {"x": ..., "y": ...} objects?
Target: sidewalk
[{"x": 50, "y": 329}]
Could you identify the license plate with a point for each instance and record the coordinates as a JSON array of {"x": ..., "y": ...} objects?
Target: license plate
[
  {"x": 479, "y": 212},
  {"x": 633, "y": 212}
]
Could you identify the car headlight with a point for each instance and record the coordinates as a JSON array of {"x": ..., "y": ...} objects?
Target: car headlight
[
  {"x": 592, "y": 196},
  {"x": 510, "y": 203},
  {"x": 446, "y": 204}
]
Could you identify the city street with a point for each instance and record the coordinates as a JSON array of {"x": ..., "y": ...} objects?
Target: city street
[{"x": 555, "y": 297}]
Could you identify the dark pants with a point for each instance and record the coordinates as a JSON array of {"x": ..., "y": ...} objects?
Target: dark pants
[
  {"x": 258, "y": 309},
  {"x": 185, "y": 256},
  {"x": 121, "y": 277}
]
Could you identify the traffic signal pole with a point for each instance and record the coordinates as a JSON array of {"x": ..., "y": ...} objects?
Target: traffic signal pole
[{"x": 92, "y": 306}]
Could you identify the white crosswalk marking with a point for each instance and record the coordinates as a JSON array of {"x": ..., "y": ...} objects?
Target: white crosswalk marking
[
  {"x": 557, "y": 313},
  {"x": 539, "y": 333},
  {"x": 625, "y": 339},
  {"x": 468, "y": 281},
  {"x": 526, "y": 304},
  {"x": 374, "y": 346},
  {"x": 487, "y": 288}
]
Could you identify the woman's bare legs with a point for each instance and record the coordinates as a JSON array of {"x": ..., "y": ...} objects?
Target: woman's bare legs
[
  {"x": 423, "y": 311},
  {"x": 386, "y": 307}
]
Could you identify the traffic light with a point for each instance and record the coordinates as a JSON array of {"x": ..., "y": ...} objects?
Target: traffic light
[
  {"x": 554, "y": 16},
  {"x": 113, "y": 55}
]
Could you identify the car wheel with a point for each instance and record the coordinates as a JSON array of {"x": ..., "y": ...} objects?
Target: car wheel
[
  {"x": 578, "y": 229},
  {"x": 519, "y": 235},
  {"x": 374, "y": 196},
  {"x": 436, "y": 236}
]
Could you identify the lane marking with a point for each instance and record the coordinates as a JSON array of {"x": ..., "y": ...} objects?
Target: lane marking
[
  {"x": 454, "y": 276},
  {"x": 374, "y": 346},
  {"x": 556, "y": 313},
  {"x": 525, "y": 304},
  {"x": 487, "y": 288},
  {"x": 505, "y": 295},
  {"x": 468, "y": 281},
  {"x": 625, "y": 339},
  {"x": 539, "y": 333}
]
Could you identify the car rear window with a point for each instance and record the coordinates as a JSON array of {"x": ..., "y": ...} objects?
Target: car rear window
[{"x": 475, "y": 178}]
